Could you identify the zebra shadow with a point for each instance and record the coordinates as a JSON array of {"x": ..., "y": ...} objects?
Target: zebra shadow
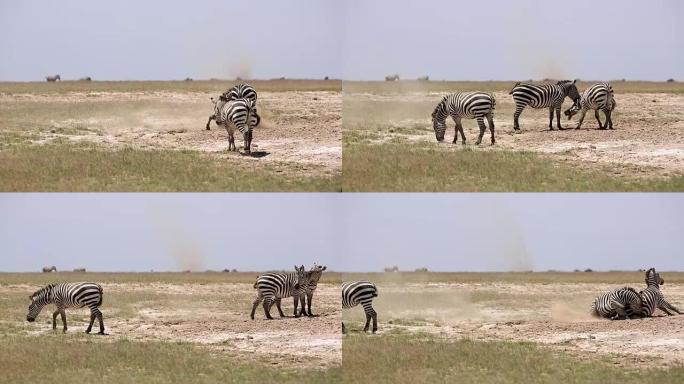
[{"x": 256, "y": 154}]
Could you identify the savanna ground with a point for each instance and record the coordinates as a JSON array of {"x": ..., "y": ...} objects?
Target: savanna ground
[
  {"x": 170, "y": 327},
  {"x": 510, "y": 327},
  {"x": 150, "y": 136},
  {"x": 389, "y": 143}
]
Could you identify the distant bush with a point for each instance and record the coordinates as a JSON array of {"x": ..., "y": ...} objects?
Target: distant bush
[
  {"x": 421, "y": 269},
  {"x": 588, "y": 270},
  {"x": 670, "y": 80}
]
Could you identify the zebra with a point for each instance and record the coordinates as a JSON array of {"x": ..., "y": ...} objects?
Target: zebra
[
  {"x": 543, "y": 96},
  {"x": 361, "y": 292},
  {"x": 238, "y": 114},
  {"x": 50, "y": 269},
  {"x": 239, "y": 91},
  {"x": 314, "y": 275},
  {"x": 68, "y": 295},
  {"x": 652, "y": 298},
  {"x": 394, "y": 77},
  {"x": 622, "y": 303},
  {"x": 274, "y": 286},
  {"x": 471, "y": 105},
  {"x": 599, "y": 96},
  {"x": 51, "y": 79}
]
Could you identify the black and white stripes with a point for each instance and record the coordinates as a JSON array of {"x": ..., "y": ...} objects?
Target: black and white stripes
[
  {"x": 238, "y": 114},
  {"x": 274, "y": 286},
  {"x": 470, "y": 105},
  {"x": 622, "y": 303},
  {"x": 361, "y": 292},
  {"x": 652, "y": 298},
  {"x": 68, "y": 295},
  {"x": 599, "y": 97},
  {"x": 543, "y": 96}
]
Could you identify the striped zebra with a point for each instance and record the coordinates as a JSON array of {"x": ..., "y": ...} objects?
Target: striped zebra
[
  {"x": 361, "y": 292},
  {"x": 314, "y": 275},
  {"x": 652, "y": 298},
  {"x": 543, "y": 96},
  {"x": 239, "y": 114},
  {"x": 68, "y": 295},
  {"x": 52, "y": 79},
  {"x": 239, "y": 91},
  {"x": 622, "y": 303},
  {"x": 471, "y": 105},
  {"x": 599, "y": 97},
  {"x": 274, "y": 286}
]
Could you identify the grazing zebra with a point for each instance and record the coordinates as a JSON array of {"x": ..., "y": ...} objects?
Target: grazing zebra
[
  {"x": 238, "y": 114},
  {"x": 361, "y": 292},
  {"x": 50, "y": 269},
  {"x": 471, "y": 105},
  {"x": 54, "y": 78},
  {"x": 598, "y": 97},
  {"x": 240, "y": 91},
  {"x": 68, "y": 295},
  {"x": 392, "y": 78},
  {"x": 623, "y": 303},
  {"x": 274, "y": 286},
  {"x": 652, "y": 298},
  {"x": 543, "y": 96},
  {"x": 314, "y": 275}
]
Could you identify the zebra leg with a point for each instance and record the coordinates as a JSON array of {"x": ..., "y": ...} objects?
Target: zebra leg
[
  {"x": 368, "y": 319},
  {"x": 558, "y": 119},
  {"x": 54, "y": 319},
  {"x": 490, "y": 120},
  {"x": 460, "y": 128},
  {"x": 92, "y": 320},
  {"x": 231, "y": 142},
  {"x": 375, "y": 321},
  {"x": 309, "y": 297},
  {"x": 64, "y": 322},
  {"x": 280, "y": 310},
  {"x": 551, "y": 118},
  {"x": 598, "y": 118},
  {"x": 344, "y": 330},
  {"x": 480, "y": 123},
  {"x": 255, "y": 304},
  {"x": 581, "y": 119},
  {"x": 247, "y": 136},
  {"x": 458, "y": 122},
  {"x": 212, "y": 117},
  {"x": 609, "y": 119},
  {"x": 99, "y": 318},
  {"x": 267, "y": 308},
  {"x": 516, "y": 116}
]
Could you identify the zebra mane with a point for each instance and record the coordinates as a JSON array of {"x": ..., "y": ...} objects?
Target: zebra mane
[
  {"x": 45, "y": 289},
  {"x": 441, "y": 104}
]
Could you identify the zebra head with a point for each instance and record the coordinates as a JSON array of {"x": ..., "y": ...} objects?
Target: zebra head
[
  {"x": 653, "y": 278},
  {"x": 439, "y": 116},
  {"x": 570, "y": 90},
  {"x": 316, "y": 271},
  {"x": 572, "y": 111},
  {"x": 38, "y": 300},
  {"x": 302, "y": 277}
]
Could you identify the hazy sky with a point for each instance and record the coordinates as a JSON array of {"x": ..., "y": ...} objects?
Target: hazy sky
[
  {"x": 514, "y": 40},
  {"x": 347, "y": 232},
  {"x": 154, "y": 39}
]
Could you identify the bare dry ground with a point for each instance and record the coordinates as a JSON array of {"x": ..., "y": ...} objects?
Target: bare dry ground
[
  {"x": 648, "y": 139},
  {"x": 555, "y": 315},
  {"x": 210, "y": 315}
]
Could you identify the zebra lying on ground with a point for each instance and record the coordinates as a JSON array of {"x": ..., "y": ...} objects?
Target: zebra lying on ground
[
  {"x": 274, "y": 286},
  {"x": 239, "y": 91},
  {"x": 54, "y": 78},
  {"x": 471, "y": 105},
  {"x": 238, "y": 114},
  {"x": 598, "y": 97},
  {"x": 652, "y": 298},
  {"x": 361, "y": 292},
  {"x": 543, "y": 96},
  {"x": 620, "y": 304},
  {"x": 306, "y": 299},
  {"x": 68, "y": 295}
]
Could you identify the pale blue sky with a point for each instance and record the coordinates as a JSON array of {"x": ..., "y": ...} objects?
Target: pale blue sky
[{"x": 347, "y": 232}]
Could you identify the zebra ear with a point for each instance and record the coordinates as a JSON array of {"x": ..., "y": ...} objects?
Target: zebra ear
[{"x": 574, "y": 81}]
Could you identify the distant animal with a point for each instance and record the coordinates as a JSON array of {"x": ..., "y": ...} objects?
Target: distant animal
[
  {"x": 471, "y": 105},
  {"x": 361, "y": 292},
  {"x": 68, "y": 295},
  {"x": 53, "y": 78},
  {"x": 187, "y": 79},
  {"x": 315, "y": 274},
  {"x": 325, "y": 78},
  {"x": 273, "y": 286},
  {"x": 421, "y": 269},
  {"x": 598, "y": 97},
  {"x": 87, "y": 78},
  {"x": 49, "y": 269},
  {"x": 652, "y": 298},
  {"x": 239, "y": 91},
  {"x": 79, "y": 269},
  {"x": 543, "y": 96},
  {"x": 241, "y": 115},
  {"x": 623, "y": 303},
  {"x": 392, "y": 269},
  {"x": 424, "y": 78},
  {"x": 394, "y": 77}
]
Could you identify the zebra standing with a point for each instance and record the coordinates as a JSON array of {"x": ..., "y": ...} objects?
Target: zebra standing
[
  {"x": 274, "y": 286},
  {"x": 652, "y": 298},
  {"x": 239, "y": 91},
  {"x": 361, "y": 292},
  {"x": 599, "y": 97},
  {"x": 314, "y": 275},
  {"x": 471, "y": 105},
  {"x": 623, "y": 303},
  {"x": 238, "y": 114},
  {"x": 543, "y": 96},
  {"x": 68, "y": 295}
]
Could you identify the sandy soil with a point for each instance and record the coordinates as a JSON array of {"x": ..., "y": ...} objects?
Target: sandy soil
[
  {"x": 555, "y": 315},
  {"x": 648, "y": 137},
  {"x": 298, "y": 127}
]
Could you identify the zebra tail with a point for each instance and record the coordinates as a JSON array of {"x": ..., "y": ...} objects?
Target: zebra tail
[
  {"x": 513, "y": 89},
  {"x": 99, "y": 288}
]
